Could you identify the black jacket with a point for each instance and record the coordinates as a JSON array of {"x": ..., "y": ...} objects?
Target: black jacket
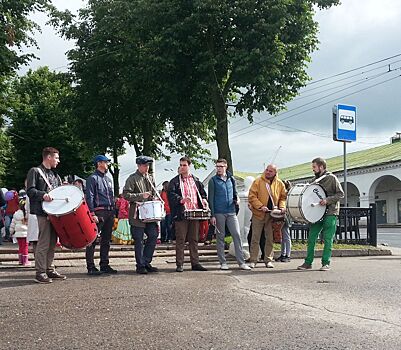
[
  {"x": 175, "y": 196},
  {"x": 37, "y": 187}
]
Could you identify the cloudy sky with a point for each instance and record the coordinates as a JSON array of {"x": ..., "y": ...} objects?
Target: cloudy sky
[{"x": 359, "y": 36}]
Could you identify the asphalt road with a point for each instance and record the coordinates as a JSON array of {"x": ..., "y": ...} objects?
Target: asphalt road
[
  {"x": 390, "y": 236},
  {"x": 356, "y": 305}
]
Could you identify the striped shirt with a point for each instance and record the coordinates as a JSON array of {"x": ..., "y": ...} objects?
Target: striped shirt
[{"x": 188, "y": 189}]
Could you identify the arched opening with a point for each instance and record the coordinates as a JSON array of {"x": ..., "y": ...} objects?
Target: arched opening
[
  {"x": 386, "y": 191},
  {"x": 352, "y": 194}
]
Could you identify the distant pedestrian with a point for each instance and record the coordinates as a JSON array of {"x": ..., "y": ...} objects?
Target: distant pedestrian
[
  {"x": 166, "y": 223},
  {"x": 19, "y": 230}
]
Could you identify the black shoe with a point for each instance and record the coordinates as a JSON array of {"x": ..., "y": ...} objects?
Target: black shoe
[
  {"x": 108, "y": 269},
  {"x": 198, "y": 267},
  {"x": 179, "y": 268},
  {"x": 286, "y": 259},
  {"x": 280, "y": 258},
  {"x": 54, "y": 275},
  {"x": 141, "y": 270},
  {"x": 151, "y": 269},
  {"x": 93, "y": 271}
]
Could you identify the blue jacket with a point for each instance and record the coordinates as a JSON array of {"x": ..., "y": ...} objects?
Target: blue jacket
[
  {"x": 222, "y": 195},
  {"x": 99, "y": 192}
]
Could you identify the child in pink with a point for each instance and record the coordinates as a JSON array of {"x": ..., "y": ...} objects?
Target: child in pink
[{"x": 19, "y": 230}]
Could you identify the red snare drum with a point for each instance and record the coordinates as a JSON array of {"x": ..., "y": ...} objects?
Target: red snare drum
[{"x": 70, "y": 217}]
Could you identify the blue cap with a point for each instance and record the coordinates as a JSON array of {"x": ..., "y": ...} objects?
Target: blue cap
[
  {"x": 101, "y": 158},
  {"x": 144, "y": 160}
]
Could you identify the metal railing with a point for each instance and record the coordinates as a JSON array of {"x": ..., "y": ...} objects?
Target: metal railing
[{"x": 355, "y": 226}]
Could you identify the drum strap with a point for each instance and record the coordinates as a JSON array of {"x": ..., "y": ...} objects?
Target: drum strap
[
  {"x": 270, "y": 194},
  {"x": 319, "y": 179},
  {"x": 154, "y": 189},
  {"x": 45, "y": 178}
]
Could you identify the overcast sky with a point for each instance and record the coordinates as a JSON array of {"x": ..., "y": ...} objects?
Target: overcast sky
[{"x": 352, "y": 35}]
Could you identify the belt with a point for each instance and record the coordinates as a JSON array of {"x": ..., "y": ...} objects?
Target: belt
[{"x": 103, "y": 208}]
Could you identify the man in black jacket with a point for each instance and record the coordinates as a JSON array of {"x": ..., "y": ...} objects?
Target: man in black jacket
[
  {"x": 183, "y": 194},
  {"x": 41, "y": 180},
  {"x": 100, "y": 199}
]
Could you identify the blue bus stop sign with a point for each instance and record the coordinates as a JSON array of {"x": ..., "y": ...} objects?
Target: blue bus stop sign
[{"x": 344, "y": 123}]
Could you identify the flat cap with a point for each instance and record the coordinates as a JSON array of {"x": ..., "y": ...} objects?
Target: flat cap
[
  {"x": 101, "y": 158},
  {"x": 144, "y": 160}
]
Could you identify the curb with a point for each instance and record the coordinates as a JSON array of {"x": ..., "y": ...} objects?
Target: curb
[{"x": 126, "y": 256}]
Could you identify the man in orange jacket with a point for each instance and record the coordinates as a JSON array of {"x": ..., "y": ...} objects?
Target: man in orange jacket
[{"x": 267, "y": 192}]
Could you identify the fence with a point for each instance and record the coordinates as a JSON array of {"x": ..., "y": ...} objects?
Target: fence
[{"x": 355, "y": 226}]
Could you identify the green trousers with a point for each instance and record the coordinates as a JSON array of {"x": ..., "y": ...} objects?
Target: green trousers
[{"x": 328, "y": 226}]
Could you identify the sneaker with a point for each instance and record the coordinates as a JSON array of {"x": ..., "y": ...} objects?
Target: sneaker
[
  {"x": 108, "y": 269},
  {"x": 151, "y": 268},
  {"x": 141, "y": 270},
  {"x": 286, "y": 259},
  {"x": 269, "y": 265},
  {"x": 43, "y": 278},
  {"x": 245, "y": 267},
  {"x": 55, "y": 275},
  {"x": 280, "y": 258},
  {"x": 325, "y": 268},
  {"x": 224, "y": 267},
  {"x": 93, "y": 271},
  {"x": 198, "y": 267},
  {"x": 252, "y": 265},
  {"x": 179, "y": 268},
  {"x": 304, "y": 266}
]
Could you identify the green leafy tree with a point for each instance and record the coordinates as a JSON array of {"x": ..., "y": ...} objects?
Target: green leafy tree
[
  {"x": 40, "y": 110},
  {"x": 252, "y": 54},
  {"x": 16, "y": 31},
  {"x": 124, "y": 92}
]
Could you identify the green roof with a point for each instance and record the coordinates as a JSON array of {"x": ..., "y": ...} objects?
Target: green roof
[{"x": 360, "y": 159}]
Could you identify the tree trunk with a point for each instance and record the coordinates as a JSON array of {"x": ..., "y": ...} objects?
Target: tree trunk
[
  {"x": 220, "y": 112},
  {"x": 116, "y": 172}
]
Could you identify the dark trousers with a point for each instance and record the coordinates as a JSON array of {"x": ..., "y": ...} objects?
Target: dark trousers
[
  {"x": 104, "y": 226},
  {"x": 144, "y": 253},
  {"x": 165, "y": 228}
]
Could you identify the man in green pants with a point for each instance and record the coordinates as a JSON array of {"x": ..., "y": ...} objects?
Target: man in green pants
[{"x": 327, "y": 225}]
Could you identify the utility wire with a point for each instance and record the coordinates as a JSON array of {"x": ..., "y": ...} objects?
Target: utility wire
[{"x": 312, "y": 108}]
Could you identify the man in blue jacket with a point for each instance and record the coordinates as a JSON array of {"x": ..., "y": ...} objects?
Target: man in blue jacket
[
  {"x": 100, "y": 199},
  {"x": 223, "y": 199}
]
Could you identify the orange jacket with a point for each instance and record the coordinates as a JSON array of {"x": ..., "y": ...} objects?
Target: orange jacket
[{"x": 259, "y": 196}]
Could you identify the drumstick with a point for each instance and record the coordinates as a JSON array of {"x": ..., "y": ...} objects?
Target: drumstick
[
  {"x": 314, "y": 204},
  {"x": 67, "y": 199}
]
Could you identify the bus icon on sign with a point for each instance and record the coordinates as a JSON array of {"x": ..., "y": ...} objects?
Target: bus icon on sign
[{"x": 346, "y": 119}]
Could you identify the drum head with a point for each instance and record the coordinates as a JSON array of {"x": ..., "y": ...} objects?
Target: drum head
[
  {"x": 311, "y": 197},
  {"x": 65, "y": 200}
]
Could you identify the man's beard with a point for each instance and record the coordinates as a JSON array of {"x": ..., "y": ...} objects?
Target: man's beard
[{"x": 317, "y": 174}]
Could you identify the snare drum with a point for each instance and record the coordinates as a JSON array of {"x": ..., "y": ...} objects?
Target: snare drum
[
  {"x": 197, "y": 214},
  {"x": 303, "y": 203},
  {"x": 151, "y": 211},
  {"x": 70, "y": 217}
]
